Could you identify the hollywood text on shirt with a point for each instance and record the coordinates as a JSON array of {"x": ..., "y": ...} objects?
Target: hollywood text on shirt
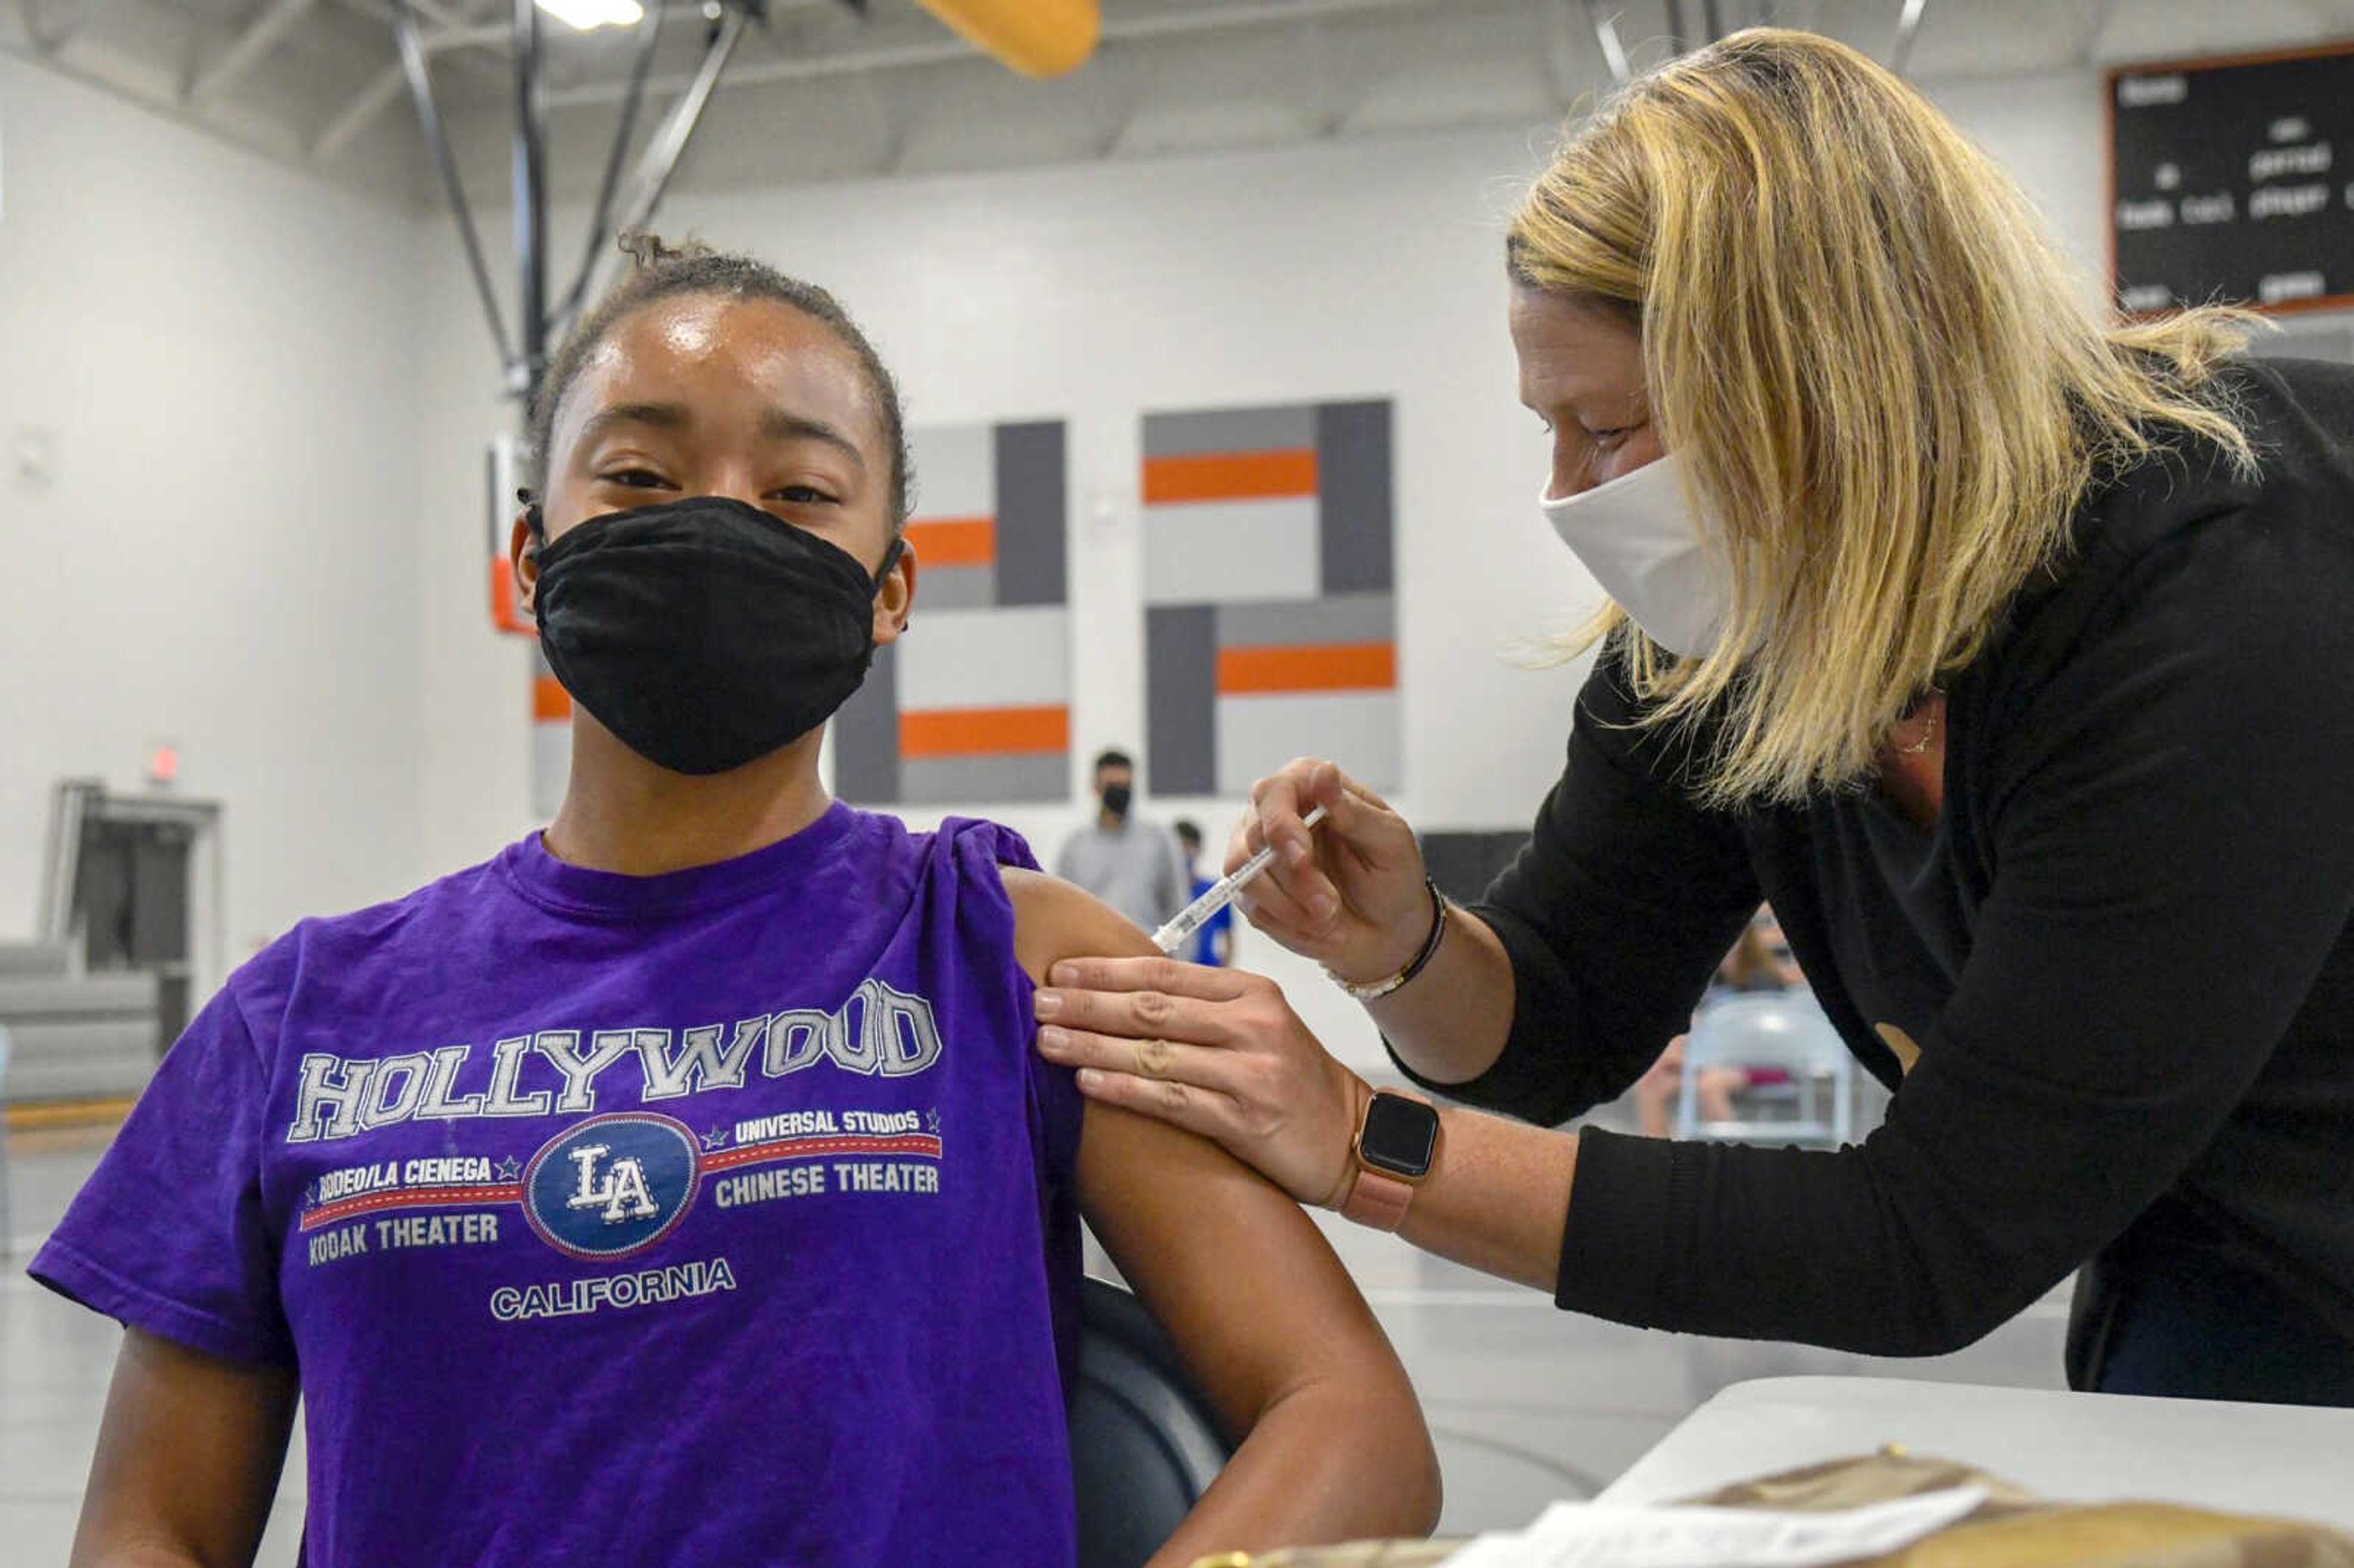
[{"x": 612, "y": 1185}]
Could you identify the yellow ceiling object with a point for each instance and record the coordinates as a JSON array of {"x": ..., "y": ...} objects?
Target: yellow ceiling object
[{"x": 1036, "y": 37}]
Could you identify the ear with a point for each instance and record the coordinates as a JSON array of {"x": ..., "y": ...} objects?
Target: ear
[
  {"x": 523, "y": 555},
  {"x": 896, "y": 596}
]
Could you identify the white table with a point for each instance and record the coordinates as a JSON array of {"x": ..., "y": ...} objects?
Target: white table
[{"x": 2080, "y": 1447}]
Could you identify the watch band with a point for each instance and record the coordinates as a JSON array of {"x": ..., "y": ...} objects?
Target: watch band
[{"x": 1377, "y": 1199}]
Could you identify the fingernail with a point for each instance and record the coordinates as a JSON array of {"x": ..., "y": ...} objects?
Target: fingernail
[
  {"x": 1048, "y": 1004},
  {"x": 1325, "y": 907},
  {"x": 1052, "y": 1041},
  {"x": 1061, "y": 974},
  {"x": 1295, "y": 853},
  {"x": 1090, "y": 1079}
]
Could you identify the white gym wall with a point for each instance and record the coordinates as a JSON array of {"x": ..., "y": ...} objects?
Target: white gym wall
[{"x": 208, "y": 462}]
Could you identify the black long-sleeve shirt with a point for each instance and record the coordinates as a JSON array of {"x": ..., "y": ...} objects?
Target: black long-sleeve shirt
[{"x": 2124, "y": 951}]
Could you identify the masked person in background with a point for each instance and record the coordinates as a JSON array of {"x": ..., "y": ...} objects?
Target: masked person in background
[
  {"x": 2003, "y": 647},
  {"x": 678, "y": 1185},
  {"x": 1131, "y": 864}
]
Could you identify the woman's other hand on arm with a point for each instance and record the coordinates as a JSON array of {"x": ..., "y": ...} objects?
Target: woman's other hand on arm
[
  {"x": 187, "y": 1461},
  {"x": 1221, "y": 1053},
  {"x": 1216, "y": 1051},
  {"x": 1332, "y": 1443},
  {"x": 1352, "y": 894}
]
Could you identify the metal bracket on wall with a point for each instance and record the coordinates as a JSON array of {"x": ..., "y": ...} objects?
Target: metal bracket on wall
[{"x": 524, "y": 357}]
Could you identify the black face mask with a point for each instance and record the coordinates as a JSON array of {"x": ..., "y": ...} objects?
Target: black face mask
[
  {"x": 1116, "y": 798},
  {"x": 705, "y": 632}
]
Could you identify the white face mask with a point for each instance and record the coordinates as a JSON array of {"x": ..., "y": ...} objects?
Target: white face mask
[{"x": 1638, "y": 536}]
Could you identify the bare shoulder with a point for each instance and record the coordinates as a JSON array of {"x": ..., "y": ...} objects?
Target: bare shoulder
[{"x": 1054, "y": 920}]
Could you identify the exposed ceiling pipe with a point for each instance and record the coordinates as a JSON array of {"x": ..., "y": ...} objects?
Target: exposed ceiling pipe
[
  {"x": 380, "y": 92},
  {"x": 1908, "y": 28},
  {"x": 417, "y": 72},
  {"x": 1605, "y": 33},
  {"x": 942, "y": 51},
  {"x": 1267, "y": 13},
  {"x": 260, "y": 35},
  {"x": 459, "y": 34}
]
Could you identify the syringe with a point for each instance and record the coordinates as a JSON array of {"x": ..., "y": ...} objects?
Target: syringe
[{"x": 1194, "y": 916}]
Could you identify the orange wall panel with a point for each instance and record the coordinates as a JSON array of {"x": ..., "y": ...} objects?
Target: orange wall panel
[
  {"x": 984, "y": 732},
  {"x": 1230, "y": 476},
  {"x": 954, "y": 541},
  {"x": 1331, "y": 667}
]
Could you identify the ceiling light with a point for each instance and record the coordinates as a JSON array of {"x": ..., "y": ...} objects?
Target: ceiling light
[{"x": 584, "y": 14}]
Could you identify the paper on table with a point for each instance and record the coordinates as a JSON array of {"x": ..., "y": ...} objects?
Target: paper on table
[{"x": 1598, "y": 1535}]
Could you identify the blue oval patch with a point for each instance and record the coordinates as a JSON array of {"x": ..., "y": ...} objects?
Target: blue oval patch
[{"x": 612, "y": 1185}]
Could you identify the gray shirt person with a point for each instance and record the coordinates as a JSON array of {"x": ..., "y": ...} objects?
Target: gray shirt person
[{"x": 1133, "y": 867}]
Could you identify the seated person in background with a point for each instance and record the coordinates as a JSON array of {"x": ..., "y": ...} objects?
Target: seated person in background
[
  {"x": 680, "y": 1186},
  {"x": 1760, "y": 961},
  {"x": 1214, "y": 943}
]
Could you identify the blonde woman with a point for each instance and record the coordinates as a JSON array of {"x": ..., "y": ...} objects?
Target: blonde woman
[{"x": 2005, "y": 650}]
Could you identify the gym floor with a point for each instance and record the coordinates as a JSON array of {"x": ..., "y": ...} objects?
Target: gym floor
[{"x": 1528, "y": 1404}]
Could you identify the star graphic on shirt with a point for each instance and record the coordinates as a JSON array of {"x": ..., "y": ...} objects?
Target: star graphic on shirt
[
  {"x": 510, "y": 1169},
  {"x": 716, "y": 1139},
  {"x": 310, "y": 1194},
  {"x": 932, "y": 1119}
]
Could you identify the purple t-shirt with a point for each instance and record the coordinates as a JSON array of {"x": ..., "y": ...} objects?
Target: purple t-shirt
[{"x": 719, "y": 1217}]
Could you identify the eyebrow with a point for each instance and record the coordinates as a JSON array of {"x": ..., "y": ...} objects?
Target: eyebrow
[
  {"x": 776, "y": 424},
  {"x": 779, "y": 425}
]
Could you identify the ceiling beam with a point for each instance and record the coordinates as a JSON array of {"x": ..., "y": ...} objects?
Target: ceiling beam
[
  {"x": 947, "y": 49},
  {"x": 46, "y": 34},
  {"x": 387, "y": 85},
  {"x": 260, "y": 35}
]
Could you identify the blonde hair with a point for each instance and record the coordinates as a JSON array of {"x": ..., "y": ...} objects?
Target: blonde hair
[{"x": 1877, "y": 371}]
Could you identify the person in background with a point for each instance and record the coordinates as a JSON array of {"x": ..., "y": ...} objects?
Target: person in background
[
  {"x": 1127, "y": 862},
  {"x": 1214, "y": 943},
  {"x": 1760, "y": 961}
]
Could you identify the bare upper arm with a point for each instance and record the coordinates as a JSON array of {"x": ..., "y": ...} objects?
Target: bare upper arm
[
  {"x": 1239, "y": 1276},
  {"x": 187, "y": 1461}
]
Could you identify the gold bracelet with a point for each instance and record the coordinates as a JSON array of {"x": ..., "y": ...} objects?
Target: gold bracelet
[{"x": 1382, "y": 988}]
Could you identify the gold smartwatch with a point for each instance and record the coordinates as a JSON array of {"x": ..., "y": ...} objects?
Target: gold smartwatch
[{"x": 1396, "y": 1144}]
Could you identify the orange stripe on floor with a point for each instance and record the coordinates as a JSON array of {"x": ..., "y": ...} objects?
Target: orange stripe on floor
[
  {"x": 550, "y": 702},
  {"x": 954, "y": 541},
  {"x": 1230, "y": 476},
  {"x": 984, "y": 732},
  {"x": 1326, "y": 667}
]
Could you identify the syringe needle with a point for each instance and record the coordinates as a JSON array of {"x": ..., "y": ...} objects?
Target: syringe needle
[{"x": 1220, "y": 894}]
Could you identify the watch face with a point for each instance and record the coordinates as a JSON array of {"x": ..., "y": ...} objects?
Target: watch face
[{"x": 1400, "y": 1136}]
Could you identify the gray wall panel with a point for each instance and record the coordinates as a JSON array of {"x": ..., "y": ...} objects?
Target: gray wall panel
[
  {"x": 987, "y": 781},
  {"x": 1229, "y": 430},
  {"x": 1033, "y": 515},
  {"x": 866, "y": 736},
  {"x": 1181, "y": 697},
  {"x": 1343, "y": 618},
  {"x": 1353, "y": 480}
]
